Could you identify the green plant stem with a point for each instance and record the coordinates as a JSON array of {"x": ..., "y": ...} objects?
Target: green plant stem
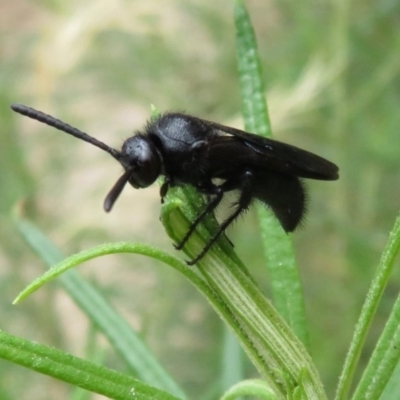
[{"x": 277, "y": 353}]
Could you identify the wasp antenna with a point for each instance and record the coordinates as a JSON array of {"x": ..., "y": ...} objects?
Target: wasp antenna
[
  {"x": 64, "y": 127},
  {"x": 116, "y": 190}
]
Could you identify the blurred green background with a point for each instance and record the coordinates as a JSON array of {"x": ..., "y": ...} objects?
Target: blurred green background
[{"x": 332, "y": 76}]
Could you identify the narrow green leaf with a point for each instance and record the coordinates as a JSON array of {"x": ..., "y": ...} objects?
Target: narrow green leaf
[
  {"x": 278, "y": 246},
  {"x": 252, "y": 387},
  {"x": 74, "y": 370},
  {"x": 121, "y": 336},
  {"x": 98, "y": 251},
  {"x": 368, "y": 311},
  {"x": 392, "y": 389},
  {"x": 383, "y": 360},
  {"x": 254, "y": 106}
]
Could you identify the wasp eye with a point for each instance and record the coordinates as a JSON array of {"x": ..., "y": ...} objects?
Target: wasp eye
[{"x": 141, "y": 156}]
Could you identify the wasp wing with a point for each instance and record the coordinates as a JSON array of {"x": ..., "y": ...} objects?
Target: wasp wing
[{"x": 284, "y": 158}]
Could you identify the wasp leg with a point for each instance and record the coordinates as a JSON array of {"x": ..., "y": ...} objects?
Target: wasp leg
[
  {"x": 210, "y": 207},
  {"x": 246, "y": 195}
]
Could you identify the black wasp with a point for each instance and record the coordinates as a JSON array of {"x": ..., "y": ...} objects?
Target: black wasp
[{"x": 190, "y": 150}]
